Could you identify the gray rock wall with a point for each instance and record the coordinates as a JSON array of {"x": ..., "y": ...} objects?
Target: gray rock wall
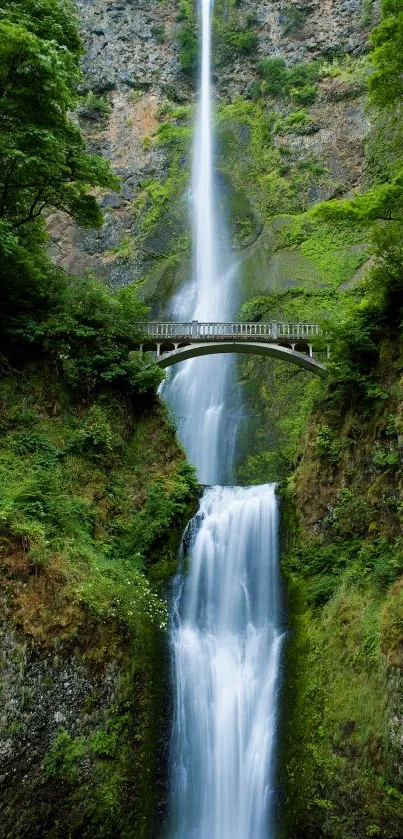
[{"x": 132, "y": 60}]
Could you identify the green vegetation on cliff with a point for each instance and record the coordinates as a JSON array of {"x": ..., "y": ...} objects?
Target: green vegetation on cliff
[
  {"x": 342, "y": 535},
  {"x": 96, "y": 495}
]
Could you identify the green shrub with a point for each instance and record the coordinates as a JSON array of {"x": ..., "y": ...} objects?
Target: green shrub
[
  {"x": 233, "y": 34},
  {"x": 392, "y": 627},
  {"x": 63, "y": 758},
  {"x": 292, "y": 18},
  {"x": 321, "y": 589},
  {"x": 93, "y": 106},
  {"x": 304, "y": 95},
  {"x": 351, "y": 516},
  {"x": 297, "y": 82},
  {"x": 299, "y": 122},
  {"x": 188, "y": 47},
  {"x": 385, "y": 456},
  {"x": 327, "y": 444},
  {"x": 158, "y": 31},
  {"x": 381, "y": 560},
  {"x": 301, "y": 82},
  {"x": 96, "y": 436},
  {"x": 274, "y": 73},
  {"x": 243, "y": 42},
  {"x": 105, "y": 743}
]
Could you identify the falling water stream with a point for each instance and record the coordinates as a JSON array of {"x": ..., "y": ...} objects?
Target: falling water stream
[
  {"x": 226, "y": 641},
  {"x": 198, "y": 391},
  {"x": 226, "y": 629}
]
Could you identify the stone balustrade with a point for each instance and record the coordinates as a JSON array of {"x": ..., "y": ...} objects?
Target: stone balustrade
[{"x": 200, "y": 331}]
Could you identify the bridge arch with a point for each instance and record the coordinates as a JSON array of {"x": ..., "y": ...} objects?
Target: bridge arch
[{"x": 251, "y": 348}]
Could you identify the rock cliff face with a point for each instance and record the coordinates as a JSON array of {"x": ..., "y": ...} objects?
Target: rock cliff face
[{"x": 133, "y": 62}]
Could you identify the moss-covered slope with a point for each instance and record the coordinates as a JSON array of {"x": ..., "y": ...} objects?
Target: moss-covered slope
[
  {"x": 94, "y": 500},
  {"x": 343, "y": 562}
]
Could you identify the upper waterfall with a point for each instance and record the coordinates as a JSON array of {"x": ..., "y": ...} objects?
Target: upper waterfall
[
  {"x": 209, "y": 433},
  {"x": 205, "y": 246}
]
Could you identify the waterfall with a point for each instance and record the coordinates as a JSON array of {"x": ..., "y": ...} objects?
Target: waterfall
[
  {"x": 198, "y": 391},
  {"x": 226, "y": 641},
  {"x": 225, "y": 629}
]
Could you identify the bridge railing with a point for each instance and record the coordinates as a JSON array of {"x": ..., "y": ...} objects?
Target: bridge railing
[
  {"x": 165, "y": 330},
  {"x": 195, "y": 330}
]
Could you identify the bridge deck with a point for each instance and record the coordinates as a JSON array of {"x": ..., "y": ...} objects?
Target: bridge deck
[{"x": 209, "y": 331}]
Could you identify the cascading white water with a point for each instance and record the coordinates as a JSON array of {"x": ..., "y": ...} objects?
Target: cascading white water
[
  {"x": 226, "y": 641},
  {"x": 225, "y": 633},
  {"x": 197, "y": 392}
]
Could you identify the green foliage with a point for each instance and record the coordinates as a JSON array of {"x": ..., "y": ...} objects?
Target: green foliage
[
  {"x": 253, "y": 164},
  {"x": 385, "y": 84},
  {"x": 376, "y": 316},
  {"x": 342, "y": 552},
  {"x": 105, "y": 743},
  {"x": 187, "y": 37},
  {"x": 275, "y": 74},
  {"x": 368, "y": 12},
  {"x": 381, "y": 202},
  {"x": 384, "y": 146},
  {"x": 292, "y": 18},
  {"x": 44, "y": 160},
  {"x": 188, "y": 47},
  {"x": 121, "y": 593},
  {"x": 158, "y": 31},
  {"x": 283, "y": 396},
  {"x": 298, "y": 122},
  {"x": 336, "y": 750},
  {"x": 392, "y": 625},
  {"x": 95, "y": 436},
  {"x": 385, "y": 456},
  {"x": 297, "y": 82},
  {"x": 327, "y": 445},
  {"x": 62, "y": 760},
  {"x": 351, "y": 515},
  {"x": 90, "y": 336},
  {"x": 231, "y": 42},
  {"x": 105, "y": 509},
  {"x": 231, "y": 36},
  {"x": 44, "y": 163},
  {"x": 94, "y": 499},
  {"x": 162, "y": 239},
  {"x": 93, "y": 106}
]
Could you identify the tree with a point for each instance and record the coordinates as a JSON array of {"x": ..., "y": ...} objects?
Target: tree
[
  {"x": 43, "y": 159},
  {"x": 44, "y": 163}
]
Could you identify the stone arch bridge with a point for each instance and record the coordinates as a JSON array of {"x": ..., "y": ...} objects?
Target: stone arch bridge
[{"x": 292, "y": 342}]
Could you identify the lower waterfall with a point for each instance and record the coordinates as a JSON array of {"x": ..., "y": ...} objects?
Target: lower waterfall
[{"x": 226, "y": 640}]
